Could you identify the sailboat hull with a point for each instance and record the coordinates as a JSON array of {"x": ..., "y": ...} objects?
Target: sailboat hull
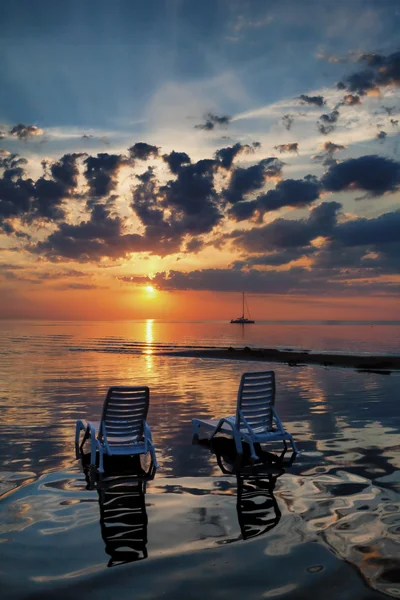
[{"x": 241, "y": 321}]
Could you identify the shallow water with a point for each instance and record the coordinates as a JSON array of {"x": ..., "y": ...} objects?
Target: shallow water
[{"x": 338, "y": 531}]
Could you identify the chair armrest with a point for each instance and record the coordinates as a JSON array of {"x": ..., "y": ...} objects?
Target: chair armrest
[
  {"x": 277, "y": 419},
  {"x": 147, "y": 431}
]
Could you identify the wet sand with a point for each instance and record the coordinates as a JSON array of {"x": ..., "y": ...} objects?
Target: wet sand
[{"x": 370, "y": 363}]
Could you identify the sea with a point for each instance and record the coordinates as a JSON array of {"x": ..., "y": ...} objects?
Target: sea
[{"x": 324, "y": 525}]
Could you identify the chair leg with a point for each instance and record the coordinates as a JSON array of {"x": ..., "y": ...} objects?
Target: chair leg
[
  {"x": 253, "y": 456},
  {"x": 295, "y": 449},
  {"x": 153, "y": 456},
  {"x": 238, "y": 443},
  {"x": 79, "y": 427},
  {"x": 284, "y": 450},
  {"x": 101, "y": 459}
]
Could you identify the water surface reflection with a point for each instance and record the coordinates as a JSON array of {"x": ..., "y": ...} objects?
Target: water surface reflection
[{"x": 333, "y": 516}]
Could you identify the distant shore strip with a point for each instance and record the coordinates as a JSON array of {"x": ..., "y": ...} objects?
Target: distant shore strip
[{"x": 378, "y": 363}]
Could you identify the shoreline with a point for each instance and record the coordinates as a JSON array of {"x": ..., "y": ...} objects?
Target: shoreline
[{"x": 379, "y": 363}]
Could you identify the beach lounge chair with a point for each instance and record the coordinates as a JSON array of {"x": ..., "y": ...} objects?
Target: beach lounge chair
[
  {"x": 122, "y": 430},
  {"x": 256, "y": 420}
]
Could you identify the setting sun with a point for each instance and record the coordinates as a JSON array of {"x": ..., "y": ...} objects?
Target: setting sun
[{"x": 150, "y": 289}]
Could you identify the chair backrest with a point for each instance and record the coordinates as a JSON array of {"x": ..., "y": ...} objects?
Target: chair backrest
[
  {"x": 124, "y": 412},
  {"x": 256, "y": 397}
]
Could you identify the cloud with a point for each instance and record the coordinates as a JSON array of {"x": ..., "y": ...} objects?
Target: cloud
[
  {"x": 143, "y": 151},
  {"x": 382, "y": 71},
  {"x": 211, "y": 121},
  {"x": 374, "y": 174},
  {"x": 289, "y": 192},
  {"x": 102, "y": 235},
  {"x": 288, "y": 233},
  {"x": 294, "y": 281},
  {"x": 287, "y": 121},
  {"x": 80, "y": 286},
  {"x": 350, "y": 100},
  {"x": 246, "y": 180},
  {"x": 175, "y": 160},
  {"x": 276, "y": 258},
  {"x": 382, "y": 135},
  {"x": 290, "y": 147},
  {"x": 192, "y": 198},
  {"x": 102, "y": 171},
  {"x": 377, "y": 231},
  {"x": 311, "y": 100},
  {"x": 394, "y": 122},
  {"x": 227, "y": 155},
  {"x": 66, "y": 169},
  {"x": 327, "y": 122},
  {"x": 327, "y": 150},
  {"x": 24, "y": 132},
  {"x": 41, "y": 199}
]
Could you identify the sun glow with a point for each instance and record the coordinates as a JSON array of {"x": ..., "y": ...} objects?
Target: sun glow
[{"x": 150, "y": 289}]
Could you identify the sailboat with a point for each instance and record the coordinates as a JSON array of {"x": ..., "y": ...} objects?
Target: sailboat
[{"x": 242, "y": 320}]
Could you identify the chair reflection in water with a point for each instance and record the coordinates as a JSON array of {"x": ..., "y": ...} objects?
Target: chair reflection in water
[
  {"x": 123, "y": 517},
  {"x": 257, "y": 508}
]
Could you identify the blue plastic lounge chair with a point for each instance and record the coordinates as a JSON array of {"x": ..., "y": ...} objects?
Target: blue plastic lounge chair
[
  {"x": 122, "y": 430},
  {"x": 256, "y": 420}
]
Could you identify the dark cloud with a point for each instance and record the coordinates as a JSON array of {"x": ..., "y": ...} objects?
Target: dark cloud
[
  {"x": 289, "y": 192},
  {"x": 382, "y": 135},
  {"x": 227, "y": 155},
  {"x": 394, "y": 122},
  {"x": 373, "y": 174},
  {"x": 143, "y": 151},
  {"x": 377, "y": 231},
  {"x": 66, "y": 170},
  {"x": 147, "y": 204},
  {"x": 211, "y": 121},
  {"x": 225, "y": 280},
  {"x": 246, "y": 180},
  {"x": 290, "y": 147},
  {"x": 289, "y": 233},
  {"x": 295, "y": 280},
  {"x": 186, "y": 206},
  {"x": 79, "y": 286},
  {"x": 192, "y": 198},
  {"x": 287, "y": 121},
  {"x": 327, "y": 123},
  {"x": 24, "y": 132},
  {"x": 325, "y": 156},
  {"x": 312, "y": 100},
  {"x": 276, "y": 258},
  {"x": 175, "y": 160},
  {"x": 40, "y": 199},
  {"x": 102, "y": 235},
  {"x": 16, "y": 193},
  {"x": 102, "y": 171},
  {"x": 382, "y": 71}
]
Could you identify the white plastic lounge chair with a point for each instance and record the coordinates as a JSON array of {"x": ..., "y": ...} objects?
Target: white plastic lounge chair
[
  {"x": 256, "y": 420},
  {"x": 122, "y": 430}
]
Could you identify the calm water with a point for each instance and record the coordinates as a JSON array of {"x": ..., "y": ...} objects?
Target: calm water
[{"x": 328, "y": 525}]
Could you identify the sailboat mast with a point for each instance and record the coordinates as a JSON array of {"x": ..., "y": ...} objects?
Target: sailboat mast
[{"x": 243, "y": 306}]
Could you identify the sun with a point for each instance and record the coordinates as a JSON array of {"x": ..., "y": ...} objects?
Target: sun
[{"x": 150, "y": 289}]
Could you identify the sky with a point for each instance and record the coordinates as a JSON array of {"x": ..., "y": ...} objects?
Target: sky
[{"x": 158, "y": 158}]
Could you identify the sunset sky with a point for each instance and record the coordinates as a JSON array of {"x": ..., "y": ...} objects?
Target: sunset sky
[{"x": 158, "y": 158}]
